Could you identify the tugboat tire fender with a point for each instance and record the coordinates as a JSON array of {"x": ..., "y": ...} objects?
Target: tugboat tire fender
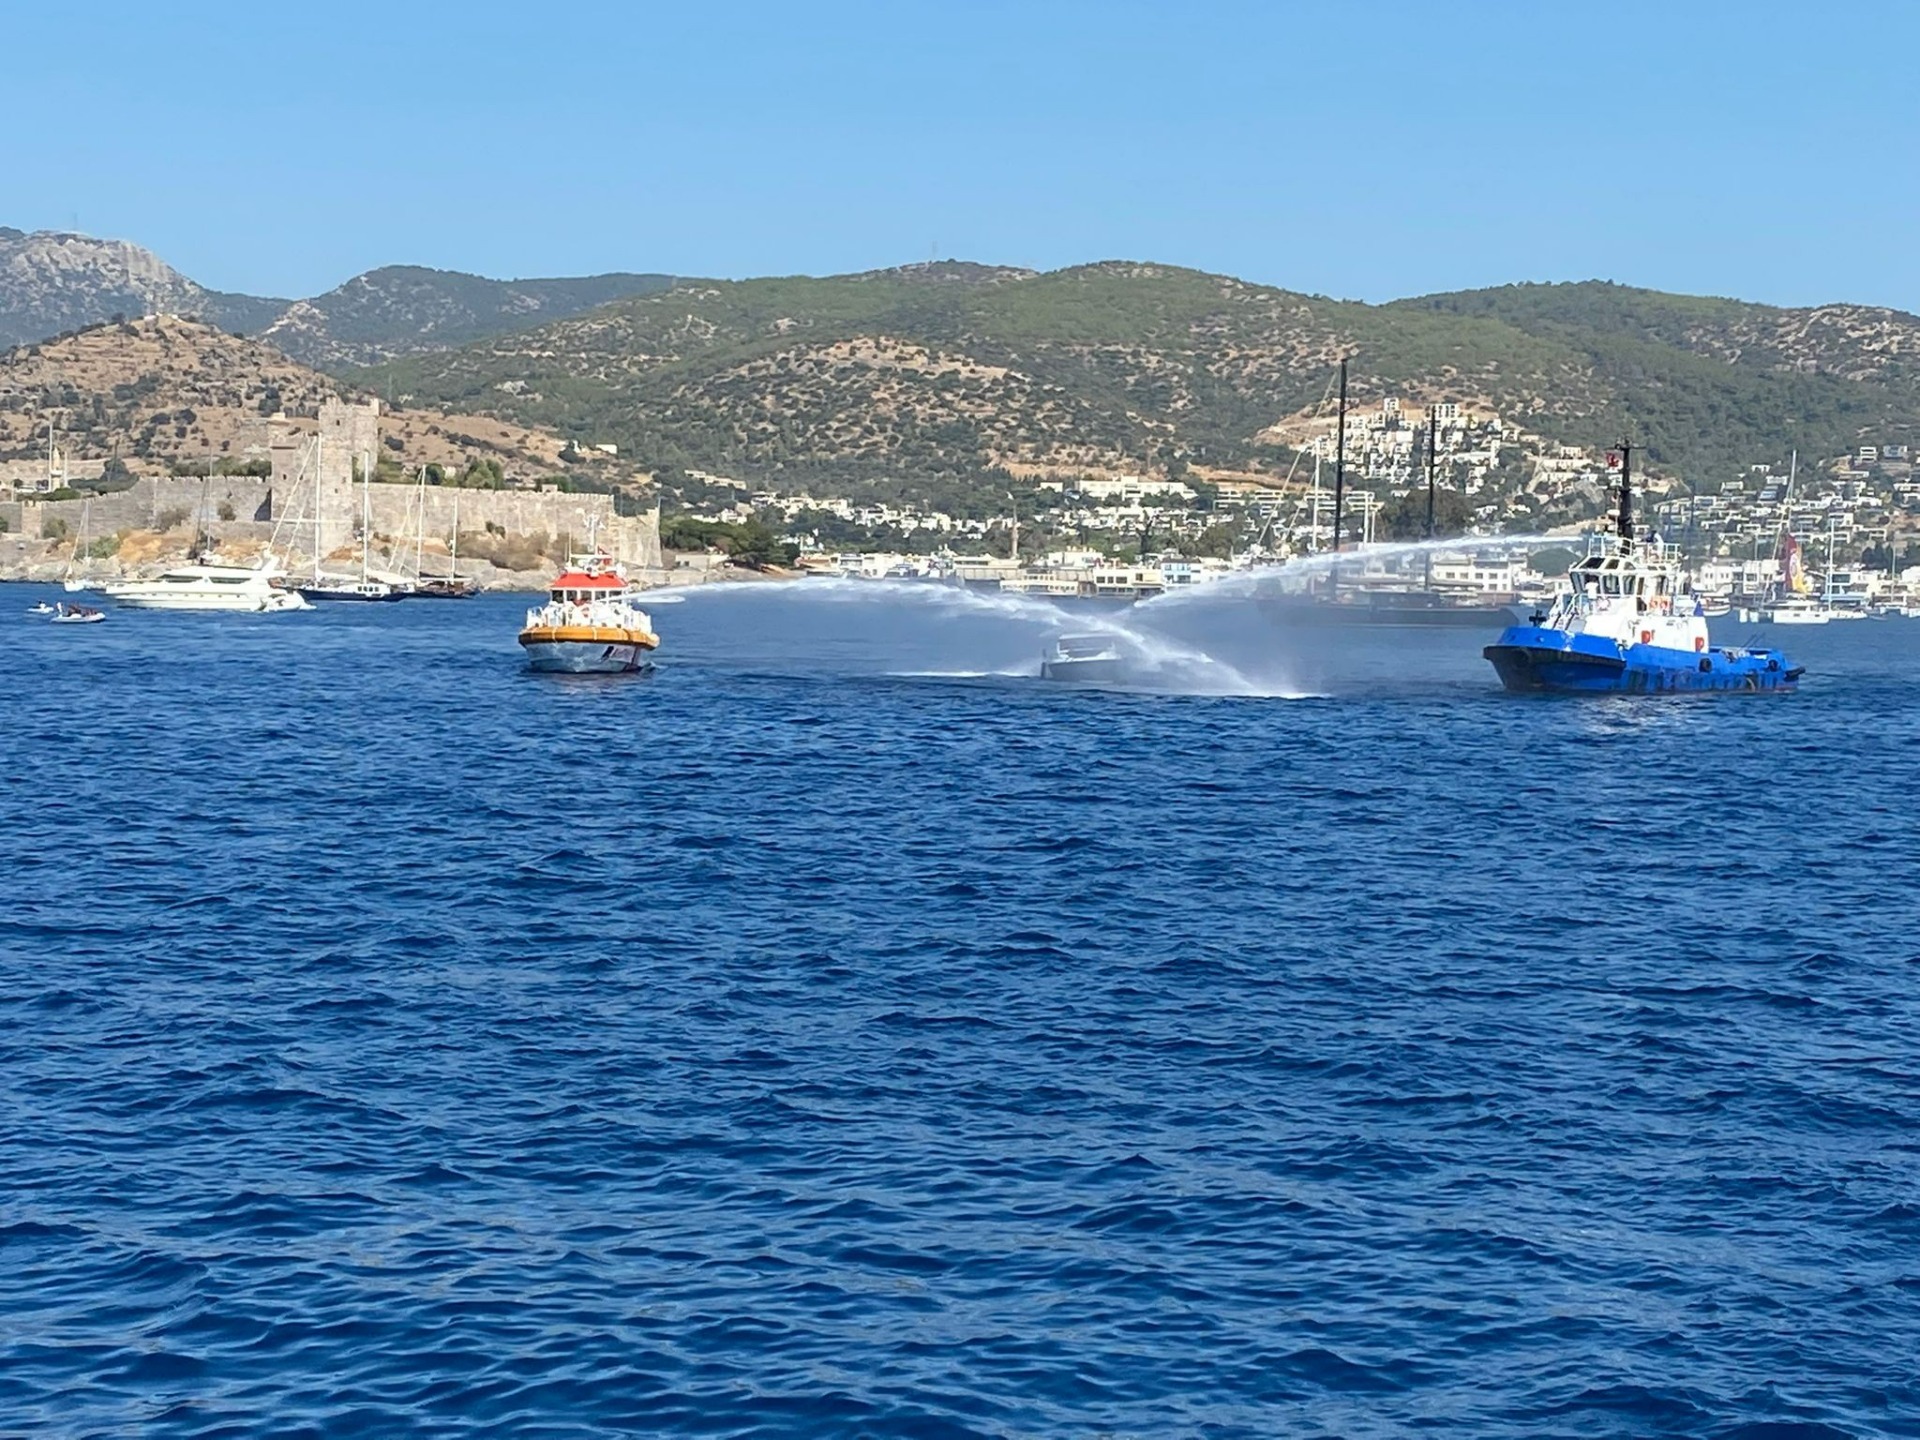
[{"x": 1706, "y": 666}]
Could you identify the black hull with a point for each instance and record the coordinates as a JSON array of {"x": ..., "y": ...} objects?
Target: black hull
[
  {"x": 342, "y": 597},
  {"x": 1391, "y": 610}
]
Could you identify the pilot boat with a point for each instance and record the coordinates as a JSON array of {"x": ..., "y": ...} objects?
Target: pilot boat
[
  {"x": 591, "y": 624},
  {"x": 1090, "y": 659},
  {"x": 1625, "y": 624}
]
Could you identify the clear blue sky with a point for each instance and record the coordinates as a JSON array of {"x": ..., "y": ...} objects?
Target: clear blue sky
[{"x": 1766, "y": 149}]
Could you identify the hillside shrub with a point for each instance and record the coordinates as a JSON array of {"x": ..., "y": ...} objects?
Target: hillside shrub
[
  {"x": 53, "y": 528},
  {"x": 170, "y": 517}
]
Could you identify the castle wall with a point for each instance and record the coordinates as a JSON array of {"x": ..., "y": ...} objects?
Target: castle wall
[
  {"x": 141, "y": 506},
  {"x": 260, "y": 508},
  {"x": 396, "y": 511}
]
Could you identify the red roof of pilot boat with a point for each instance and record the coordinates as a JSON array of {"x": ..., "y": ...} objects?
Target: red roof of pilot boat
[{"x": 581, "y": 580}]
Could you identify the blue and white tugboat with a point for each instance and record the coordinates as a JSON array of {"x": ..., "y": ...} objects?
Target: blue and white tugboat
[{"x": 1626, "y": 624}]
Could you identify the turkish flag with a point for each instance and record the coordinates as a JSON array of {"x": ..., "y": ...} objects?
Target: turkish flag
[{"x": 1613, "y": 459}]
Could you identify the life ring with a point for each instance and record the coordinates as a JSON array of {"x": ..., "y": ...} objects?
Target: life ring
[
  {"x": 1646, "y": 637},
  {"x": 1699, "y": 643}
]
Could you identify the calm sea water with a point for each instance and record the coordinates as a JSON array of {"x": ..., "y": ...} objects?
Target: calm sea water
[{"x": 841, "y": 1032}]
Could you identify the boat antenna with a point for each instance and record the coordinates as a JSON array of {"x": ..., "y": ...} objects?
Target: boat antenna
[{"x": 1626, "y": 496}]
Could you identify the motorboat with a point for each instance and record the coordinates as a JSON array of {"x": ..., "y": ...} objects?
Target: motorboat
[
  {"x": 1796, "y": 610},
  {"x": 1087, "y": 659},
  {"x": 1626, "y": 624},
  {"x": 328, "y": 588},
  {"x": 40, "y": 609},
  {"x": 204, "y": 584},
  {"x": 65, "y": 614},
  {"x": 591, "y": 623}
]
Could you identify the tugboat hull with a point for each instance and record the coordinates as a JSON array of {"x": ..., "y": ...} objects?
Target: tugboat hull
[{"x": 1535, "y": 659}]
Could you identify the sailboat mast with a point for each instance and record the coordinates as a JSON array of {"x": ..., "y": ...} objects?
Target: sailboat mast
[
  {"x": 1433, "y": 445},
  {"x": 319, "y": 443},
  {"x": 1313, "y": 522},
  {"x": 420, "y": 535},
  {"x": 453, "y": 559},
  {"x": 1433, "y": 441},
  {"x": 1827, "y": 589},
  {"x": 366, "y": 509},
  {"x": 1340, "y": 456}
]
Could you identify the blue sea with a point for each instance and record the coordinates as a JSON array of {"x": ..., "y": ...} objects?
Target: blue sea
[{"x": 843, "y": 1032}]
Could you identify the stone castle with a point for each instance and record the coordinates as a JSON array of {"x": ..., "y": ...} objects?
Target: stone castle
[{"x": 313, "y": 497}]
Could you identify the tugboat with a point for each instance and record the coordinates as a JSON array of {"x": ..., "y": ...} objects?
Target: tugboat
[
  {"x": 592, "y": 623},
  {"x": 1626, "y": 625}
]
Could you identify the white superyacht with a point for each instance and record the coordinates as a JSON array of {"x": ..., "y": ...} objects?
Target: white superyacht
[{"x": 203, "y": 584}]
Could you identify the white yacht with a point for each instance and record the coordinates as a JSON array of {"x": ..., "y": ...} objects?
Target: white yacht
[
  {"x": 200, "y": 585},
  {"x": 1796, "y": 610},
  {"x": 1089, "y": 659}
]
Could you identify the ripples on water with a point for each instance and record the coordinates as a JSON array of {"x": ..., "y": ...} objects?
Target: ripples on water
[{"x": 396, "y": 1042}]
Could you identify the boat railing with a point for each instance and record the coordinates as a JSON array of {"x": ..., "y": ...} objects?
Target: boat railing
[{"x": 614, "y": 614}]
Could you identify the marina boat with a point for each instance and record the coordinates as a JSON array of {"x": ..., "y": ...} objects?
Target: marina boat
[
  {"x": 440, "y": 587},
  {"x": 1626, "y": 625},
  {"x": 328, "y": 588},
  {"x": 1387, "y": 607},
  {"x": 204, "y": 585},
  {"x": 1796, "y": 610},
  {"x": 1085, "y": 659},
  {"x": 64, "y": 614},
  {"x": 451, "y": 586},
  {"x": 591, "y": 624},
  {"x": 333, "y": 588}
]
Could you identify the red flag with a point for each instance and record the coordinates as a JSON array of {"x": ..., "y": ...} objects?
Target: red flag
[{"x": 1613, "y": 459}]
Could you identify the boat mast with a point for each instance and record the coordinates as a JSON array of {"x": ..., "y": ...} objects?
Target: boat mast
[
  {"x": 1313, "y": 521},
  {"x": 1433, "y": 438},
  {"x": 1826, "y": 596},
  {"x": 319, "y": 442},
  {"x": 366, "y": 510},
  {"x": 1626, "y": 496},
  {"x": 453, "y": 559},
  {"x": 420, "y": 535},
  {"x": 1340, "y": 456}
]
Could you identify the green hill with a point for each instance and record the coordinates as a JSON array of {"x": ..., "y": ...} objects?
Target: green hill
[
  {"x": 403, "y": 309},
  {"x": 956, "y": 370}
]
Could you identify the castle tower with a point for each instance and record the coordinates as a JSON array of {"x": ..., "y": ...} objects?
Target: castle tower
[{"x": 349, "y": 436}]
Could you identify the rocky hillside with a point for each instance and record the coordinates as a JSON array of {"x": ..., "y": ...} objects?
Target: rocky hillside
[
  {"x": 54, "y": 283},
  {"x": 158, "y": 390},
  {"x": 961, "y": 370},
  {"x": 50, "y": 283}
]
